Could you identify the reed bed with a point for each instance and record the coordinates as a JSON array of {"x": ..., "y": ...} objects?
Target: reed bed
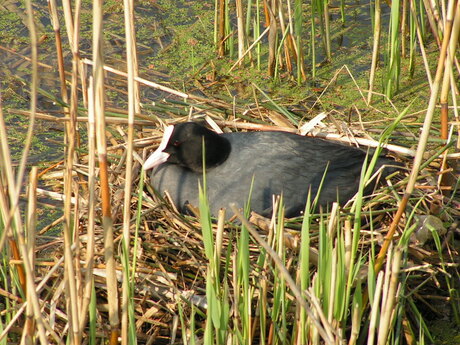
[
  {"x": 120, "y": 264},
  {"x": 300, "y": 34},
  {"x": 171, "y": 262}
]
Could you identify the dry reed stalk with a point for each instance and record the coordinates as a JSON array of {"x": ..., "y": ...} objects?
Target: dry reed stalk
[
  {"x": 70, "y": 270},
  {"x": 356, "y": 320},
  {"x": 30, "y": 245},
  {"x": 220, "y": 27},
  {"x": 448, "y": 71},
  {"x": 32, "y": 297},
  {"x": 421, "y": 44},
  {"x": 456, "y": 109},
  {"x": 330, "y": 136},
  {"x": 240, "y": 25},
  {"x": 388, "y": 310},
  {"x": 8, "y": 212},
  {"x": 214, "y": 102},
  {"x": 348, "y": 235},
  {"x": 136, "y": 90},
  {"x": 423, "y": 139},
  {"x": 68, "y": 18},
  {"x": 295, "y": 44},
  {"x": 107, "y": 221},
  {"x": 332, "y": 288},
  {"x": 141, "y": 80},
  {"x": 60, "y": 56},
  {"x": 238, "y": 62},
  {"x": 292, "y": 41},
  {"x": 77, "y": 65},
  {"x": 14, "y": 188},
  {"x": 375, "y": 309},
  {"x": 333, "y": 80},
  {"x": 10, "y": 208},
  {"x": 108, "y": 119},
  {"x": 131, "y": 68},
  {"x": 327, "y": 35},
  {"x": 446, "y": 86},
  {"x": 386, "y": 281},
  {"x": 236, "y": 294},
  {"x": 72, "y": 279},
  {"x": 272, "y": 33},
  {"x": 288, "y": 50},
  {"x": 90, "y": 245},
  {"x": 332, "y": 221},
  {"x": 26, "y": 58},
  {"x": 219, "y": 236},
  {"x": 285, "y": 33},
  {"x": 15, "y": 252},
  {"x": 375, "y": 49},
  {"x": 403, "y": 28},
  {"x": 431, "y": 20},
  {"x": 7, "y": 327}
]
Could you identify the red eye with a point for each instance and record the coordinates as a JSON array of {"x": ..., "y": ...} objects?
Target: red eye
[{"x": 176, "y": 143}]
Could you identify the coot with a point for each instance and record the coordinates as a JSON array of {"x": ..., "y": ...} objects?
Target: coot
[{"x": 272, "y": 162}]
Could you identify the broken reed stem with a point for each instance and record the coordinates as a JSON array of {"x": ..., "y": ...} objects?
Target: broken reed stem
[
  {"x": 423, "y": 138},
  {"x": 140, "y": 80},
  {"x": 108, "y": 119},
  {"x": 238, "y": 62},
  {"x": 107, "y": 222}
]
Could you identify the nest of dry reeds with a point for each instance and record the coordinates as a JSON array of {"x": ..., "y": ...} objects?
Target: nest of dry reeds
[{"x": 170, "y": 272}]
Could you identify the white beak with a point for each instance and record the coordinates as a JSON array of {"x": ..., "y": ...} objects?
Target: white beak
[{"x": 158, "y": 157}]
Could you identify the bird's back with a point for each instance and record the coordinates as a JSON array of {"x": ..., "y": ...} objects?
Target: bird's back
[{"x": 266, "y": 164}]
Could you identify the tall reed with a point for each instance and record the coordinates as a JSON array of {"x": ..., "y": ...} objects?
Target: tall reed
[
  {"x": 128, "y": 325},
  {"x": 101, "y": 140}
]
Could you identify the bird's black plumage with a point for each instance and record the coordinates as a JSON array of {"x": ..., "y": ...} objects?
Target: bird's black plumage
[{"x": 273, "y": 163}]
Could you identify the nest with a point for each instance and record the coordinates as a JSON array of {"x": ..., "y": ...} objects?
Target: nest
[{"x": 170, "y": 272}]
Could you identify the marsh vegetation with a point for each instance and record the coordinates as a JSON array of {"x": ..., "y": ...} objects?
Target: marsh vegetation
[{"x": 91, "y": 254}]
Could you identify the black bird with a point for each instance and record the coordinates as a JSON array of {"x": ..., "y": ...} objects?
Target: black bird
[{"x": 273, "y": 163}]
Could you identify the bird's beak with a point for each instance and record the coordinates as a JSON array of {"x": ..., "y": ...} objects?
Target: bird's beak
[{"x": 159, "y": 156}]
